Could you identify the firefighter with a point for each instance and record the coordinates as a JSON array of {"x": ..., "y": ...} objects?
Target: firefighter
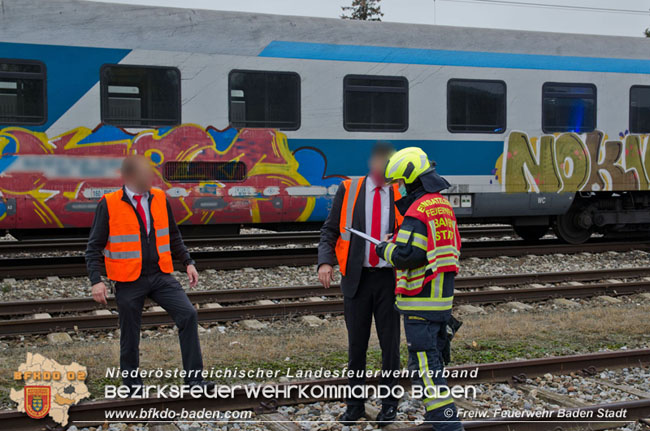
[{"x": 425, "y": 252}]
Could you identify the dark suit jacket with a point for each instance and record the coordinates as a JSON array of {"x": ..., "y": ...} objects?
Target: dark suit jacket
[
  {"x": 99, "y": 237},
  {"x": 330, "y": 233}
]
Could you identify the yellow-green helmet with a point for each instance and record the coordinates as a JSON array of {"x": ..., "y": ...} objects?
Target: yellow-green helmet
[{"x": 407, "y": 165}]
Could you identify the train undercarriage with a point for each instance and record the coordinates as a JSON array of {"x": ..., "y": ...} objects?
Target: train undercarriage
[
  {"x": 616, "y": 215},
  {"x": 623, "y": 215}
]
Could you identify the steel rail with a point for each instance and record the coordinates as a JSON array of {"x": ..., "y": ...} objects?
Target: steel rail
[
  {"x": 229, "y": 296},
  {"x": 333, "y": 306},
  {"x": 71, "y": 266},
  {"x": 92, "y": 412},
  {"x": 82, "y": 304},
  {"x": 243, "y": 240}
]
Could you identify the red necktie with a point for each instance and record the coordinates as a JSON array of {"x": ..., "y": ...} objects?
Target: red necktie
[
  {"x": 375, "y": 230},
  {"x": 140, "y": 209}
]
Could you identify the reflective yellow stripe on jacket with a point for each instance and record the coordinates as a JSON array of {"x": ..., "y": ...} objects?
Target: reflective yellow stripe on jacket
[{"x": 434, "y": 302}]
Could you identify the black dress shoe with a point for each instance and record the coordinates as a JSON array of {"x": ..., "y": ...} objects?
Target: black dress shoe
[
  {"x": 387, "y": 415},
  {"x": 352, "y": 415}
]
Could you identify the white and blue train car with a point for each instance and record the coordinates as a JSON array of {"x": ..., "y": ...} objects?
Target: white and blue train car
[{"x": 255, "y": 119}]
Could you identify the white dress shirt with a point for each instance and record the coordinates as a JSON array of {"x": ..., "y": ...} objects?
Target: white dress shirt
[
  {"x": 145, "y": 204},
  {"x": 384, "y": 193}
]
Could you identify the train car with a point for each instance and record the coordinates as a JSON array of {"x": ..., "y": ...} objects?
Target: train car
[{"x": 254, "y": 120}]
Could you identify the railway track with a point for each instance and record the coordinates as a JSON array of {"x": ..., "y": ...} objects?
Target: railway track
[
  {"x": 239, "y": 304},
  {"x": 74, "y": 266},
  {"x": 244, "y": 240},
  {"x": 511, "y": 372}
]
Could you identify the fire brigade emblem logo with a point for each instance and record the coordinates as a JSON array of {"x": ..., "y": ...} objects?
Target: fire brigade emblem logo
[{"x": 37, "y": 401}]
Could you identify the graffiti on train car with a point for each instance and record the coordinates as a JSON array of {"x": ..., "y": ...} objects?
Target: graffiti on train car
[
  {"x": 567, "y": 162},
  {"x": 56, "y": 181}
]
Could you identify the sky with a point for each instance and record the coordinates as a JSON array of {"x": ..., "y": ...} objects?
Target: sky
[{"x": 587, "y": 17}]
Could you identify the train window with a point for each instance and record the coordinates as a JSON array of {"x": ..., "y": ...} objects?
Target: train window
[
  {"x": 140, "y": 96},
  {"x": 476, "y": 106},
  {"x": 264, "y": 99},
  {"x": 375, "y": 103},
  {"x": 640, "y": 109},
  {"x": 568, "y": 107},
  {"x": 204, "y": 171},
  {"x": 22, "y": 92}
]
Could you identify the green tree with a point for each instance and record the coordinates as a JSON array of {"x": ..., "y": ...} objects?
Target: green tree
[
  {"x": 647, "y": 32},
  {"x": 363, "y": 10}
]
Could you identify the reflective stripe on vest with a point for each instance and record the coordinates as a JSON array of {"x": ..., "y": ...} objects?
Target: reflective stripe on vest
[
  {"x": 434, "y": 302},
  {"x": 123, "y": 253},
  {"x": 123, "y": 238},
  {"x": 352, "y": 190},
  {"x": 349, "y": 206}
]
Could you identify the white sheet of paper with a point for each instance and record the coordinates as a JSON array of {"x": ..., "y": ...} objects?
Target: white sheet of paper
[{"x": 363, "y": 235}]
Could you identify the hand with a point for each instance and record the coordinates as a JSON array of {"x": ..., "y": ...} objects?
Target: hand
[
  {"x": 388, "y": 237},
  {"x": 326, "y": 275},
  {"x": 100, "y": 292},
  {"x": 193, "y": 275}
]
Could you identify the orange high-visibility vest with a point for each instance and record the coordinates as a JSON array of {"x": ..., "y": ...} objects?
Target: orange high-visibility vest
[
  {"x": 352, "y": 189},
  {"x": 123, "y": 251}
]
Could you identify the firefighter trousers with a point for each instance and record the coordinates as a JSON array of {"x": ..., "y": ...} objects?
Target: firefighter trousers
[{"x": 426, "y": 340}]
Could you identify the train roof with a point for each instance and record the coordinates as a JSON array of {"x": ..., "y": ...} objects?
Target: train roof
[{"x": 110, "y": 25}]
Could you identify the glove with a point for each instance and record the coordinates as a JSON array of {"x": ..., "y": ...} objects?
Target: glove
[
  {"x": 451, "y": 327},
  {"x": 380, "y": 249}
]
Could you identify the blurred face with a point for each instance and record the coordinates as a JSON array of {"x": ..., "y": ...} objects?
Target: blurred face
[
  {"x": 141, "y": 179},
  {"x": 377, "y": 165}
]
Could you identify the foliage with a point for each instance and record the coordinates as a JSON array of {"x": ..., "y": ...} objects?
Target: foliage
[{"x": 363, "y": 10}]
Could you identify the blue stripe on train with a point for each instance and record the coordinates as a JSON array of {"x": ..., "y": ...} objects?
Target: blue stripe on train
[
  {"x": 71, "y": 72},
  {"x": 350, "y": 156},
  {"x": 440, "y": 57}
]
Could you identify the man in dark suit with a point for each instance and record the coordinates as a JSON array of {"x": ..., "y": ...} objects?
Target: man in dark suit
[
  {"x": 368, "y": 283},
  {"x": 134, "y": 236}
]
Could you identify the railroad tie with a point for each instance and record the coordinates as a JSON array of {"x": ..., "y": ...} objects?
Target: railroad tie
[
  {"x": 101, "y": 312},
  {"x": 517, "y": 306},
  {"x": 312, "y": 320},
  {"x": 163, "y": 427},
  {"x": 609, "y": 299},
  {"x": 470, "y": 309},
  {"x": 277, "y": 422},
  {"x": 563, "y": 302},
  {"x": 264, "y": 302},
  {"x": 253, "y": 324},
  {"x": 56, "y": 338}
]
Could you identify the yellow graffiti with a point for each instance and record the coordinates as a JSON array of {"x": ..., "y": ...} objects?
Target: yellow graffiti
[{"x": 570, "y": 162}]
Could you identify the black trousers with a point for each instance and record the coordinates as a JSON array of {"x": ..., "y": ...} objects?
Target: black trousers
[
  {"x": 167, "y": 292},
  {"x": 375, "y": 297}
]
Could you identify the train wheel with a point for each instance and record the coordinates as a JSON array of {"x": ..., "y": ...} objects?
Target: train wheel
[
  {"x": 566, "y": 228},
  {"x": 531, "y": 233}
]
